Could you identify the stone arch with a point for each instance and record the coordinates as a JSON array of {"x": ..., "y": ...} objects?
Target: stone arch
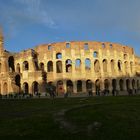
[
  {"x": 25, "y": 88},
  {"x": 89, "y": 85},
  {"x": 96, "y": 66},
  {"x": 127, "y": 84},
  {"x": 25, "y": 65},
  {"x": 105, "y": 65},
  {"x": 60, "y": 87},
  {"x": 97, "y": 85},
  {"x": 119, "y": 65},
  {"x": 18, "y": 68},
  {"x": 59, "y": 55},
  {"x": 114, "y": 84},
  {"x": 50, "y": 47},
  {"x": 79, "y": 86},
  {"x": 5, "y": 88},
  {"x": 41, "y": 66},
  {"x": 86, "y": 47},
  {"x": 67, "y": 45},
  {"x": 95, "y": 54},
  {"x": 59, "y": 66},
  {"x": 112, "y": 65},
  {"x": 17, "y": 83},
  {"x": 50, "y": 66},
  {"x": 103, "y": 45},
  {"x": 11, "y": 64},
  {"x": 35, "y": 87},
  {"x": 69, "y": 86},
  {"x": 125, "y": 56},
  {"x": 110, "y": 45},
  {"x": 106, "y": 84},
  {"x": 133, "y": 84},
  {"x": 68, "y": 65},
  {"x": 87, "y": 64},
  {"x": 121, "y": 84},
  {"x": 77, "y": 63}
]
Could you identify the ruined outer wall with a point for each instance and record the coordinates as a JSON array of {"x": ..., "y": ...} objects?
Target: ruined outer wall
[{"x": 103, "y": 57}]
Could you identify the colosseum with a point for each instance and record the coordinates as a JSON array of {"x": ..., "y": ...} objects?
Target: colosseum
[{"x": 76, "y": 66}]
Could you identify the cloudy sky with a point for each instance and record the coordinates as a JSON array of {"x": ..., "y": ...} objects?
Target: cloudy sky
[{"x": 27, "y": 23}]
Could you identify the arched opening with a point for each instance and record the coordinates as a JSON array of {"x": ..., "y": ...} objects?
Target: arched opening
[
  {"x": 119, "y": 65},
  {"x": 5, "y": 89},
  {"x": 114, "y": 84},
  {"x": 105, "y": 65},
  {"x": 59, "y": 66},
  {"x": 106, "y": 84},
  {"x": 77, "y": 64},
  {"x": 59, "y": 56},
  {"x": 110, "y": 45},
  {"x": 97, "y": 86},
  {"x": 18, "y": 68},
  {"x": 96, "y": 66},
  {"x": 67, "y": 45},
  {"x": 68, "y": 66},
  {"x": 79, "y": 86},
  {"x": 35, "y": 88},
  {"x": 133, "y": 84},
  {"x": 25, "y": 65},
  {"x": 50, "y": 66},
  {"x": 103, "y": 45},
  {"x": 127, "y": 84},
  {"x": 86, "y": 46},
  {"x": 89, "y": 85},
  {"x": 11, "y": 64},
  {"x": 69, "y": 86},
  {"x": 87, "y": 64},
  {"x": 95, "y": 54},
  {"x": 49, "y": 47},
  {"x": 60, "y": 87},
  {"x": 25, "y": 88},
  {"x": 41, "y": 65},
  {"x": 17, "y": 82},
  {"x": 112, "y": 65},
  {"x": 121, "y": 83},
  {"x": 125, "y": 56}
]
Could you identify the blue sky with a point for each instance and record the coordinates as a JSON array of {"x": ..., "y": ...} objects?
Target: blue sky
[{"x": 27, "y": 23}]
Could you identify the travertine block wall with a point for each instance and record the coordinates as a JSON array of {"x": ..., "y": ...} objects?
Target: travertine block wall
[{"x": 71, "y": 66}]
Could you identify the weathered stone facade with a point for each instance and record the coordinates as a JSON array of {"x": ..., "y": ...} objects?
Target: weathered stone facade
[{"x": 75, "y": 66}]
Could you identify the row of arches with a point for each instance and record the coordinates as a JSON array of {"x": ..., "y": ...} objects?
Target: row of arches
[
  {"x": 126, "y": 66},
  {"x": 97, "y": 65},
  {"x": 123, "y": 85}
]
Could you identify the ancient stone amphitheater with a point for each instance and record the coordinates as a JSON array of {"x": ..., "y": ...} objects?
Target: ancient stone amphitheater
[{"x": 76, "y": 66}]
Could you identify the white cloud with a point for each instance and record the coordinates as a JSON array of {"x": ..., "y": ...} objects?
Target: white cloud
[{"x": 22, "y": 12}]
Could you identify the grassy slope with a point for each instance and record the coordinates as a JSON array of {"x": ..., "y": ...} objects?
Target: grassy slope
[{"x": 118, "y": 118}]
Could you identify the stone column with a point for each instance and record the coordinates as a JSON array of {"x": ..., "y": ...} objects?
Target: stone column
[
  {"x": 63, "y": 63},
  {"x": 75, "y": 86},
  {"x": 31, "y": 65},
  {"x": 4, "y": 64},
  {"x": 84, "y": 86}
]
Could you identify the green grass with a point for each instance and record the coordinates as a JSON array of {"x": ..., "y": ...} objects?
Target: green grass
[{"x": 99, "y": 118}]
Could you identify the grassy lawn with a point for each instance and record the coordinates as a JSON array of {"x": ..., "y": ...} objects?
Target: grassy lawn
[{"x": 99, "y": 118}]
